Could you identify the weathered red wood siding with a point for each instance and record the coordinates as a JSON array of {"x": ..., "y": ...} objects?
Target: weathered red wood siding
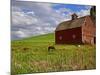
[
  {"x": 88, "y": 31},
  {"x": 69, "y": 36}
]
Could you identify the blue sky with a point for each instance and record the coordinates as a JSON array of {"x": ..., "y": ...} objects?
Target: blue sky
[
  {"x": 34, "y": 18},
  {"x": 73, "y": 7}
]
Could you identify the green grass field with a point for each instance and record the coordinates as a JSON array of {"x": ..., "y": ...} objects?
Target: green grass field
[{"x": 30, "y": 55}]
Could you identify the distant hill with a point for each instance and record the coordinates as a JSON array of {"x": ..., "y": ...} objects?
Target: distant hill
[{"x": 40, "y": 38}]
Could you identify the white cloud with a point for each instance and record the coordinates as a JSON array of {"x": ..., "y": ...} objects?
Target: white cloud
[
  {"x": 38, "y": 28},
  {"x": 31, "y": 12},
  {"x": 19, "y": 17},
  {"x": 49, "y": 28},
  {"x": 42, "y": 19},
  {"x": 20, "y": 34},
  {"x": 83, "y": 13}
]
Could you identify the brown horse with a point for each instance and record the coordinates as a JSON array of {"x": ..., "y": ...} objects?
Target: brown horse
[{"x": 51, "y": 48}]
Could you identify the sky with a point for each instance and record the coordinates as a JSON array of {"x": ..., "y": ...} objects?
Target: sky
[{"x": 30, "y": 18}]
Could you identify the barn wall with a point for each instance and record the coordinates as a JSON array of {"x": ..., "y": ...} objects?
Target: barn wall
[
  {"x": 88, "y": 31},
  {"x": 69, "y": 36}
]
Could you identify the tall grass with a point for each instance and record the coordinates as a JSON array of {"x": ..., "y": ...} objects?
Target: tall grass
[{"x": 32, "y": 56}]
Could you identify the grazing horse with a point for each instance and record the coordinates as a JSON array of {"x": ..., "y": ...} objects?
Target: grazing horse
[
  {"x": 51, "y": 48},
  {"x": 25, "y": 49}
]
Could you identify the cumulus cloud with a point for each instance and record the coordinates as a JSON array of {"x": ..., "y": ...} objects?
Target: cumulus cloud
[
  {"x": 19, "y": 17},
  {"x": 83, "y": 13},
  {"x": 30, "y": 18}
]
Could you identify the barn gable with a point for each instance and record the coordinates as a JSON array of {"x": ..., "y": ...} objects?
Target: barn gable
[{"x": 89, "y": 31}]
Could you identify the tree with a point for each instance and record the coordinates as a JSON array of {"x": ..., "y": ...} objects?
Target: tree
[{"x": 93, "y": 12}]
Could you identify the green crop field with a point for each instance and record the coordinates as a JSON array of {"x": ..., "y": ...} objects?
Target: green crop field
[{"x": 30, "y": 55}]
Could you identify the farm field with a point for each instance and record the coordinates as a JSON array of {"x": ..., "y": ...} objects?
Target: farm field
[{"x": 30, "y": 55}]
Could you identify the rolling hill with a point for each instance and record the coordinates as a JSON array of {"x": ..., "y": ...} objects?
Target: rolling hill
[
  {"x": 40, "y": 38},
  {"x": 30, "y": 55}
]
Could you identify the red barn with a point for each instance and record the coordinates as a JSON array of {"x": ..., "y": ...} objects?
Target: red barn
[{"x": 76, "y": 31}]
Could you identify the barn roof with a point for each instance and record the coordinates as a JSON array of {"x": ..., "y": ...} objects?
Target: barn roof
[{"x": 70, "y": 24}]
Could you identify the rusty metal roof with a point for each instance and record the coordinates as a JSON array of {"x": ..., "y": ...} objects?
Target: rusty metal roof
[{"x": 71, "y": 24}]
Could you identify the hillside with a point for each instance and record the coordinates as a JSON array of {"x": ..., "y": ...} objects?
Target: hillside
[
  {"x": 30, "y": 55},
  {"x": 40, "y": 38}
]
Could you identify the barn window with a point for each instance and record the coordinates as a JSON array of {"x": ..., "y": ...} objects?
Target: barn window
[
  {"x": 73, "y": 36},
  {"x": 60, "y": 37}
]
